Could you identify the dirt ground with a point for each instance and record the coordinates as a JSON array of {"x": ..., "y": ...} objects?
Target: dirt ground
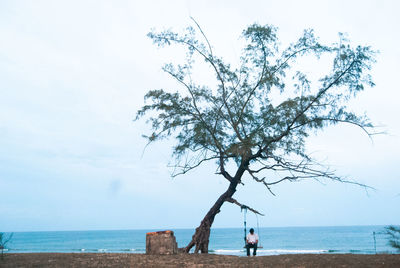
[{"x": 192, "y": 260}]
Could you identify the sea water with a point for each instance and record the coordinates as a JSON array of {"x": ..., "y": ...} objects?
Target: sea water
[{"x": 230, "y": 241}]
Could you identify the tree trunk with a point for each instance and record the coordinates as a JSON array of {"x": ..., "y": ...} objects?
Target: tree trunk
[{"x": 200, "y": 239}]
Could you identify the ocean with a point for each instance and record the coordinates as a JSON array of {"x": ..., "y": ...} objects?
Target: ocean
[{"x": 230, "y": 241}]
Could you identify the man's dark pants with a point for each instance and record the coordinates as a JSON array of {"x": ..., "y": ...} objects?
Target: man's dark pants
[{"x": 254, "y": 246}]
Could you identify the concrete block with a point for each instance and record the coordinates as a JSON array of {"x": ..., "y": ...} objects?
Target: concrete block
[{"x": 161, "y": 243}]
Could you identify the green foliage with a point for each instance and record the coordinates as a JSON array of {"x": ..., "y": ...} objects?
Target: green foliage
[
  {"x": 4, "y": 239},
  {"x": 239, "y": 120},
  {"x": 394, "y": 236}
]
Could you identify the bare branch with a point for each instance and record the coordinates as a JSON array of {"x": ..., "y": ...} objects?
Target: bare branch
[
  {"x": 260, "y": 180},
  {"x": 205, "y": 37},
  {"x": 186, "y": 168},
  {"x": 304, "y": 169},
  {"x": 233, "y": 201}
]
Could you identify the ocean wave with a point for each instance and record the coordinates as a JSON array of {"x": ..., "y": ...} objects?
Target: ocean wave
[
  {"x": 294, "y": 251},
  {"x": 110, "y": 250},
  {"x": 131, "y": 250},
  {"x": 226, "y": 251},
  {"x": 271, "y": 251}
]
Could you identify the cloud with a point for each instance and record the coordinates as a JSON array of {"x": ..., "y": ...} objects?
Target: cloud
[{"x": 73, "y": 74}]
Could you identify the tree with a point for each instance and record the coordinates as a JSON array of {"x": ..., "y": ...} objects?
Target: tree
[
  {"x": 4, "y": 241},
  {"x": 237, "y": 121},
  {"x": 394, "y": 236}
]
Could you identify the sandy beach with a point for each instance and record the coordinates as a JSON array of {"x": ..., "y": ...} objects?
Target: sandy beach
[{"x": 192, "y": 260}]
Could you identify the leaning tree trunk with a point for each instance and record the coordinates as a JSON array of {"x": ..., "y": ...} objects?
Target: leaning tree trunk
[{"x": 201, "y": 237}]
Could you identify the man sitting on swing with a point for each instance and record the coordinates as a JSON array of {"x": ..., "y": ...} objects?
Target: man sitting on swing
[{"x": 251, "y": 242}]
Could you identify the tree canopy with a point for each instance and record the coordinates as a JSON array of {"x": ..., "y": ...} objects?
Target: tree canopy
[{"x": 238, "y": 118}]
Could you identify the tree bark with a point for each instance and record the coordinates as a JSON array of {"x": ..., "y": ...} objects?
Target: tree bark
[{"x": 200, "y": 239}]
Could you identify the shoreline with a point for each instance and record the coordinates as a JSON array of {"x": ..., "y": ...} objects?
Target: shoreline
[{"x": 196, "y": 260}]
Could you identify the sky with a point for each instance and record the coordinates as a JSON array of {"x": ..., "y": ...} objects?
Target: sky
[{"x": 74, "y": 73}]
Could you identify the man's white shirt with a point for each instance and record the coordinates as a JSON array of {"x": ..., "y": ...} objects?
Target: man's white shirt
[{"x": 252, "y": 238}]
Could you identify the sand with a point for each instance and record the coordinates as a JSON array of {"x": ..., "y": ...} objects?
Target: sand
[{"x": 192, "y": 260}]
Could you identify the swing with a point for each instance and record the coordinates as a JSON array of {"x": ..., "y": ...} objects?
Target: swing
[{"x": 244, "y": 209}]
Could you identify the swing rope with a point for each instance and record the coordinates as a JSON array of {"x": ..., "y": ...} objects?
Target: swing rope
[
  {"x": 244, "y": 208},
  {"x": 244, "y": 220},
  {"x": 259, "y": 234}
]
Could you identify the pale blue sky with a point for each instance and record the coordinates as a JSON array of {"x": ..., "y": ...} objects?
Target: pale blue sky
[{"x": 73, "y": 74}]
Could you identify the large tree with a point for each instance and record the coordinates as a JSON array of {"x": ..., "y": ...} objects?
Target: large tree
[{"x": 255, "y": 118}]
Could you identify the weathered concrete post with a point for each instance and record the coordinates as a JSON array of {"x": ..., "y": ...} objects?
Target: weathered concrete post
[{"x": 162, "y": 242}]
